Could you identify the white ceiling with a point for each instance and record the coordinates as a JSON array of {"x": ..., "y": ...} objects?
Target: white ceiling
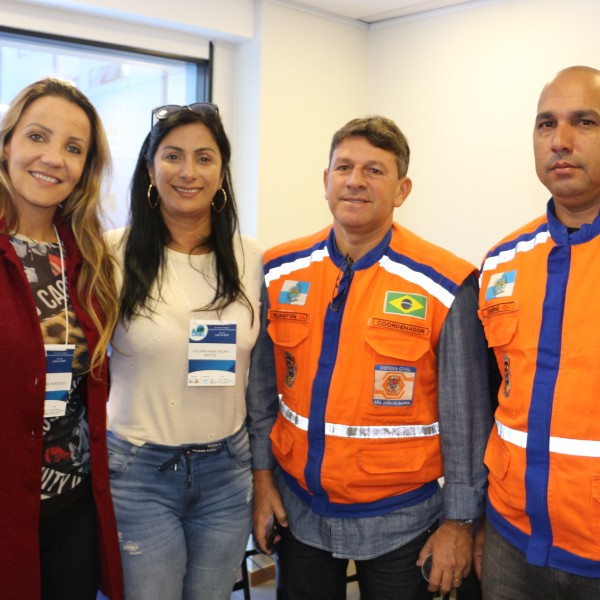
[{"x": 372, "y": 11}]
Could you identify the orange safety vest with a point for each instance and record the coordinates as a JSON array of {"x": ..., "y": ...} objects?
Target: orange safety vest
[
  {"x": 539, "y": 290},
  {"x": 357, "y": 433}
]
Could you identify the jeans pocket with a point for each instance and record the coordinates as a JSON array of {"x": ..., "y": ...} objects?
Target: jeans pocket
[
  {"x": 239, "y": 449},
  {"x": 117, "y": 463}
]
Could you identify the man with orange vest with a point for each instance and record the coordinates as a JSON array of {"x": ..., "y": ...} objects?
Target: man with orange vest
[
  {"x": 382, "y": 370},
  {"x": 540, "y": 289}
]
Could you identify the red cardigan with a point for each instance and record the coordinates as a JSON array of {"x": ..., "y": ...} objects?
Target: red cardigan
[{"x": 22, "y": 387}]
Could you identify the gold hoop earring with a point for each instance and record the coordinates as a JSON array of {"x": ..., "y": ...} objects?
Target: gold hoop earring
[
  {"x": 218, "y": 210},
  {"x": 149, "y": 196}
]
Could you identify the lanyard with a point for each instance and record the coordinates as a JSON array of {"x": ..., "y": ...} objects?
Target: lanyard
[
  {"x": 64, "y": 286},
  {"x": 59, "y": 359}
]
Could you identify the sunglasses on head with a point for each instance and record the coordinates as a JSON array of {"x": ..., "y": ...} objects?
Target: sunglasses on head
[{"x": 162, "y": 112}]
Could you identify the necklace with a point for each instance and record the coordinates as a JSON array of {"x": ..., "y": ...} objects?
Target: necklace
[{"x": 30, "y": 240}]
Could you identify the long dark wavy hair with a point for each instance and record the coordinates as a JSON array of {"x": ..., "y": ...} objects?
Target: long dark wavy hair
[{"x": 145, "y": 249}]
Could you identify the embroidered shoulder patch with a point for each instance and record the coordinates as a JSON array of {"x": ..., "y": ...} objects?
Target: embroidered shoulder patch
[
  {"x": 394, "y": 385},
  {"x": 291, "y": 368},
  {"x": 294, "y": 292},
  {"x": 501, "y": 285},
  {"x": 402, "y": 303}
]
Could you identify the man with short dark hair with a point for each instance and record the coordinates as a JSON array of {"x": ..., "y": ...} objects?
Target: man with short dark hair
[{"x": 382, "y": 371}]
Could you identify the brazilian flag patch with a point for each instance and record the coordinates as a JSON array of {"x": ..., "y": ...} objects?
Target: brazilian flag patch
[{"x": 402, "y": 303}]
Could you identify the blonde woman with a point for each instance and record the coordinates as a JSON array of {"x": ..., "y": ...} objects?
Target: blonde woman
[{"x": 57, "y": 312}]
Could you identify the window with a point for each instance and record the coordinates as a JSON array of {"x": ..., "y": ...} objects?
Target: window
[{"x": 124, "y": 85}]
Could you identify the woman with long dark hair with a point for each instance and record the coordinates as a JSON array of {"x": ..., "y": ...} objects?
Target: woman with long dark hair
[{"x": 189, "y": 318}]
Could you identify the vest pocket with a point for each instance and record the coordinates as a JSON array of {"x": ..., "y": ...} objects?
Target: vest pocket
[
  {"x": 289, "y": 337},
  {"x": 395, "y": 345},
  {"x": 384, "y": 464},
  {"x": 500, "y": 323},
  {"x": 287, "y": 333},
  {"x": 282, "y": 442},
  {"x": 497, "y": 457}
]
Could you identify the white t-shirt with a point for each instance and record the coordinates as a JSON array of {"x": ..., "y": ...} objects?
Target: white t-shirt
[{"x": 150, "y": 400}]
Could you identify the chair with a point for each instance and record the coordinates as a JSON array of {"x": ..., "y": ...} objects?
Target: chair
[{"x": 244, "y": 582}]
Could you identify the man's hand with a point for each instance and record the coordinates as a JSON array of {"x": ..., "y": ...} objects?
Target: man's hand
[
  {"x": 478, "y": 549},
  {"x": 267, "y": 502},
  {"x": 451, "y": 548}
]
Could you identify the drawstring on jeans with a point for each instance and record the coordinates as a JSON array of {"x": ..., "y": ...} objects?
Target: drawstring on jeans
[{"x": 186, "y": 452}]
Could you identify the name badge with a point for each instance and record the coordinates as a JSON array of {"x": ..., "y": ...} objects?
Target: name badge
[
  {"x": 211, "y": 353},
  {"x": 59, "y": 375}
]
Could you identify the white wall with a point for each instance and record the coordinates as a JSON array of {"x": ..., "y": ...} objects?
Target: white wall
[
  {"x": 312, "y": 79},
  {"x": 462, "y": 84},
  {"x": 176, "y": 26},
  {"x": 284, "y": 81}
]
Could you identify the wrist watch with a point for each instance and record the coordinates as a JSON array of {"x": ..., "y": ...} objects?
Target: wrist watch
[{"x": 464, "y": 522}]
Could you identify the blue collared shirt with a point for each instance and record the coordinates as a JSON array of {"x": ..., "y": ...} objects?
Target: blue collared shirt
[
  {"x": 465, "y": 422},
  {"x": 262, "y": 400}
]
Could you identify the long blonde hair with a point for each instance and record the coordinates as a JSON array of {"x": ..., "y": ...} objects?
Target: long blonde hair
[{"x": 81, "y": 210}]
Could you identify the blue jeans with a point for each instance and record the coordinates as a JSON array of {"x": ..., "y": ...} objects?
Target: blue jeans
[
  {"x": 506, "y": 575},
  {"x": 183, "y": 515},
  {"x": 306, "y": 572}
]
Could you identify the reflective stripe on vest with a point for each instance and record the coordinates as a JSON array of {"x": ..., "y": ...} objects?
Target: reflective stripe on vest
[
  {"x": 492, "y": 261},
  {"x": 589, "y": 448},
  {"x": 363, "y": 432},
  {"x": 295, "y": 265},
  {"x": 428, "y": 284}
]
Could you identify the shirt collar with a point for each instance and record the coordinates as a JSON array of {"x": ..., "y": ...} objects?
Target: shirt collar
[
  {"x": 364, "y": 262},
  {"x": 560, "y": 233}
]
